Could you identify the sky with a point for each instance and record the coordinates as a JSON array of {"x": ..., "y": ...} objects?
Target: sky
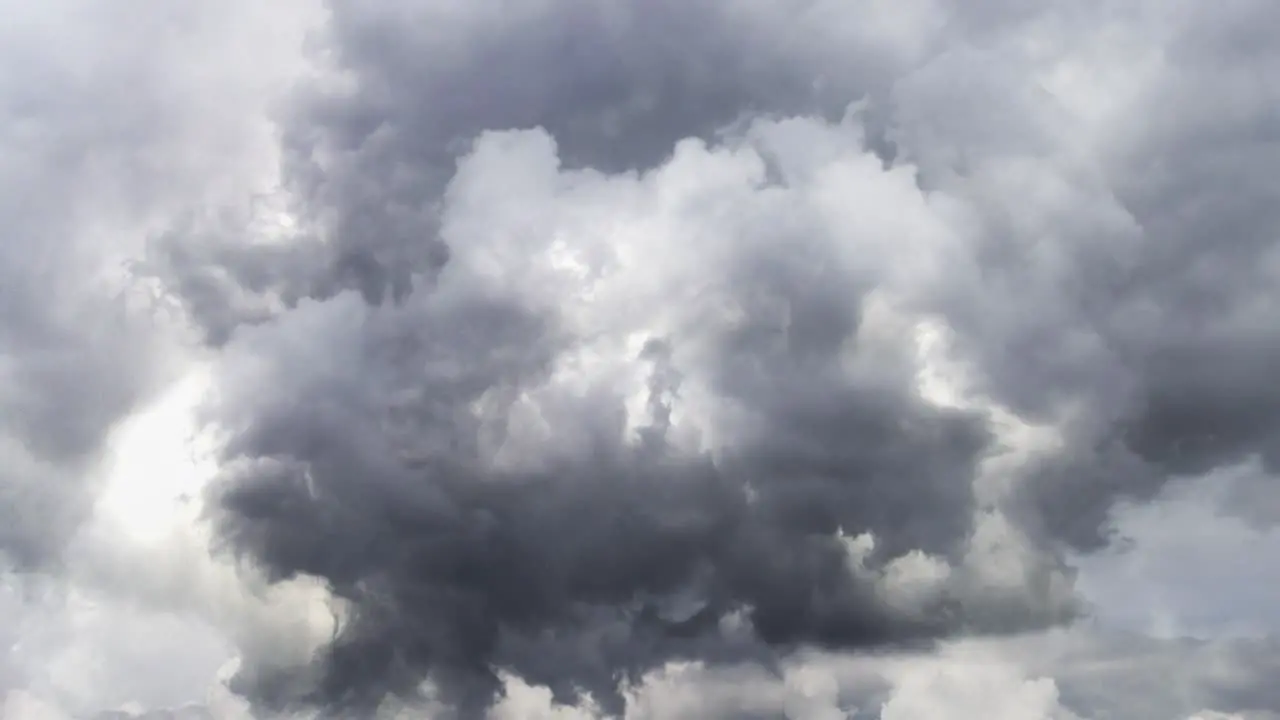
[{"x": 581, "y": 359}]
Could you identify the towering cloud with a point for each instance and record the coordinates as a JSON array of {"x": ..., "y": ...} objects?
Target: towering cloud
[{"x": 670, "y": 388}]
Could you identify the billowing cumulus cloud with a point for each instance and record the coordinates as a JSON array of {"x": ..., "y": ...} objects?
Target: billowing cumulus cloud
[
  {"x": 576, "y": 451},
  {"x": 570, "y": 359}
]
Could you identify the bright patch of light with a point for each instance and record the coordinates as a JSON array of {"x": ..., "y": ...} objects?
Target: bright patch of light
[{"x": 157, "y": 466}]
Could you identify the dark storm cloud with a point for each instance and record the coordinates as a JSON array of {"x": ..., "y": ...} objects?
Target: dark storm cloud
[
  {"x": 561, "y": 573},
  {"x": 434, "y": 459},
  {"x": 455, "y": 567},
  {"x": 1212, "y": 274},
  {"x": 617, "y": 84}
]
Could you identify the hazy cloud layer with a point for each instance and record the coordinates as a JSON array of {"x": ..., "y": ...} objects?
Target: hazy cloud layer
[
  {"x": 111, "y": 125},
  {"x": 550, "y": 346}
]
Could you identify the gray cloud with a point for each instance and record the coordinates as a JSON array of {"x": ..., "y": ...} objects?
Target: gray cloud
[
  {"x": 374, "y": 467},
  {"x": 71, "y": 359},
  {"x": 106, "y": 137},
  {"x": 579, "y": 338},
  {"x": 1133, "y": 286},
  {"x": 103, "y": 142},
  {"x": 454, "y": 464},
  {"x": 1080, "y": 674},
  {"x": 368, "y": 152}
]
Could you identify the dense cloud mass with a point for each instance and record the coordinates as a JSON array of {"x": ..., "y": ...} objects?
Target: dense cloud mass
[
  {"x": 567, "y": 354},
  {"x": 545, "y": 459}
]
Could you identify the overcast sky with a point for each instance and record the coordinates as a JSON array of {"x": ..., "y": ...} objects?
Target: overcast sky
[{"x": 571, "y": 359}]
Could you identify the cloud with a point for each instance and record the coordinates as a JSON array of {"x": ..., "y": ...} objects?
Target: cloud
[
  {"x": 622, "y": 391},
  {"x": 1177, "y": 554},
  {"x": 573, "y": 358},
  {"x": 109, "y": 133},
  {"x": 654, "y": 306},
  {"x": 111, "y": 125}
]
